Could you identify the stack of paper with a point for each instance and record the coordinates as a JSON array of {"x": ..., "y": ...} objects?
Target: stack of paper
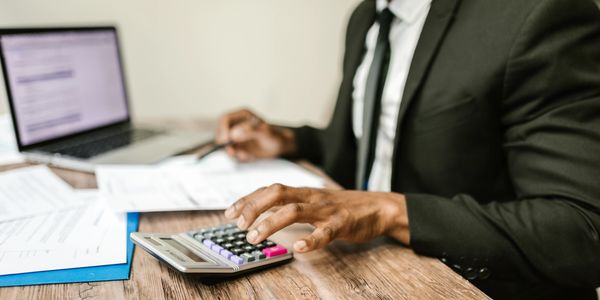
[
  {"x": 183, "y": 184},
  {"x": 46, "y": 225}
]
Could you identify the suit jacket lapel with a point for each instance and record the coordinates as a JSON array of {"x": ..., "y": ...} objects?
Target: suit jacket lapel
[{"x": 438, "y": 21}]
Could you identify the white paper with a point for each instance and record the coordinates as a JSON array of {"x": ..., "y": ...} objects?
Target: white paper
[
  {"x": 213, "y": 183},
  {"x": 33, "y": 190},
  {"x": 9, "y": 154},
  {"x": 143, "y": 189},
  {"x": 89, "y": 234}
]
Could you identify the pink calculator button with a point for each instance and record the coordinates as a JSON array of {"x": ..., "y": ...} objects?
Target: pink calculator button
[{"x": 274, "y": 251}]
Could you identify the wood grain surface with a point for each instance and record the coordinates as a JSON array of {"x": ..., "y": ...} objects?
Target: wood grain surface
[{"x": 381, "y": 269}]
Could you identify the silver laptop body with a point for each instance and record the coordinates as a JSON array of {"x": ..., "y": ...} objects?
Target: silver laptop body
[{"x": 68, "y": 101}]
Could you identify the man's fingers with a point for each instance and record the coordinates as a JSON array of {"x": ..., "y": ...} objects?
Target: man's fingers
[
  {"x": 319, "y": 238},
  {"x": 228, "y": 121},
  {"x": 255, "y": 204},
  {"x": 251, "y": 206},
  {"x": 242, "y": 132},
  {"x": 287, "y": 215},
  {"x": 243, "y": 155}
]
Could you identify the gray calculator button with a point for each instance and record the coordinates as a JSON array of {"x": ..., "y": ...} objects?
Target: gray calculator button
[
  {"x": 239, "y": 243},
  {"x": 258, "y": 255},
  {"x": 247, "y": 257},
  {"x": 208, "y": 235}
]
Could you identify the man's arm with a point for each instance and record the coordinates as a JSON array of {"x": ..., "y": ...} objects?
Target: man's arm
[{"x": 551, "y": 116}]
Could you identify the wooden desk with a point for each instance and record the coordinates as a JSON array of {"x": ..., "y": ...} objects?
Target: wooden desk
[{"x": 380, "y": 269}]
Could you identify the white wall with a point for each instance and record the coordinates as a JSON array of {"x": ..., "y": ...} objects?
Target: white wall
[{"x": 193, "y": 58}]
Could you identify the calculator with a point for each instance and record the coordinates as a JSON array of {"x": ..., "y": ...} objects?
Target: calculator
[{"x": 214, "y": 252}]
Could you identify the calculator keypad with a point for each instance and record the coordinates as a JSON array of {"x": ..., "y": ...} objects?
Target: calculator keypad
[{"x": 230, "y": 242}]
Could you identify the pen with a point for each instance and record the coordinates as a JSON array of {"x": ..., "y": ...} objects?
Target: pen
[{"x": 215, "y": 147}]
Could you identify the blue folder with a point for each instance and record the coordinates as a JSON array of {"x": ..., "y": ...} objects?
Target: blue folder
[{"x": 87, "y": 274}]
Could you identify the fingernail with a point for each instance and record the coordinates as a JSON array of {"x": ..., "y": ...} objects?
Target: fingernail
[
  {"x": 241, "y": 222},
  {"x": 252, "y": 236},
  {"x": 300, "y": 246},
  {"x": 229, "y": 212}
]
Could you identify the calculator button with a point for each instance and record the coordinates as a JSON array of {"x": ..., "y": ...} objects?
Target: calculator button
[
  {"x": 268, "y": 243},
  {"x": 219, "y": 240},
  {"x": 199, "y": 236},
  {"x": 228, "y": 246},
  {"x": 208, "y": 243},
  {"x": 225, "y": 253},
  {"x": 236, "y": 259},
  {"x": 248, "y": 257},
  {"x": 216, "y": 248},
  {"x": 239, "y": 243},
  {"x": 274, "y": 251},
  {"x": 209, "y": 235},
  {"x": 248, "y": 248},
  {"x": 258, "y": 255},
  {"x": 240, "y": 236},
  {"x": 219, "y": 233},
  {"x": 230, "y": 238},
  {"x": 237, "y": 251},
  {"x": 260, "y": 246}
]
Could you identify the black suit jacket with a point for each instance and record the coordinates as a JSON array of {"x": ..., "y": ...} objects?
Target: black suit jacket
[{"x": 498, "y": 142}]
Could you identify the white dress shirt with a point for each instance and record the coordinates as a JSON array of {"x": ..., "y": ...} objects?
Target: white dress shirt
[{"x": 404, "y": 35}]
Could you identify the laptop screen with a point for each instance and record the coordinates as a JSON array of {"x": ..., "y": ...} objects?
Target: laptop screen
[{"x": 63, "y": 82}]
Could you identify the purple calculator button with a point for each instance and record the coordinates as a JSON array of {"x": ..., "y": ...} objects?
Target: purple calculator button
[
  {"x": 236, "y": 259},
  {"x": 208, "y": 243},
  {"x": 226, "y": 253},
  {"x": 216, "y": 248}
]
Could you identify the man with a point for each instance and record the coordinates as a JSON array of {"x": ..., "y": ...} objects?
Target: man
[{"x": 468, "y": 130}]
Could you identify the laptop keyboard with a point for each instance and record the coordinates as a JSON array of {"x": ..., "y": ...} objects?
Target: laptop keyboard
[{"x": 86, "y": 147}]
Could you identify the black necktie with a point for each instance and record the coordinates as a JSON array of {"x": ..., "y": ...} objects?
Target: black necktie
[{"x": 372, "y": 99}]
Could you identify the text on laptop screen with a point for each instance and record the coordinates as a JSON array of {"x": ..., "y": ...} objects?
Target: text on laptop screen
[{"x": 63, "y": 83}]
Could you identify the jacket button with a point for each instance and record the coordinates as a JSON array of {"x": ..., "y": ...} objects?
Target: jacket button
[
  {"x": 484, "y": 273},
  {"x": 470, "y": 273}
]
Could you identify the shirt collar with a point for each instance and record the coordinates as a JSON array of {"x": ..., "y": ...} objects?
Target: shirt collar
[{"x": 405, "y": 10}]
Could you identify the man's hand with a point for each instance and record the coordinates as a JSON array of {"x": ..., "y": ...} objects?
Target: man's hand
[
  {"x": 348, "y": 215},
  {"x": 253, "y": 138}
]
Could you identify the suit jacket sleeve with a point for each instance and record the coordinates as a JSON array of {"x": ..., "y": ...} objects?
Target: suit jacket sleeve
[{"x": 551, "y": 119}]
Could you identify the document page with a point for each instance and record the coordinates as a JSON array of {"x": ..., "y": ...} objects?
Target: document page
[
  {"x": 89, "y": 234},
  {"x": 33, "y": 190},
  {"x": 214, "y": 182},
  {"x": 143, "y": 189}
]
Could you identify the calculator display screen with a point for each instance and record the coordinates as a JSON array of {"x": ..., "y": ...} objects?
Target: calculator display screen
[{"x": 181, "y": 248}]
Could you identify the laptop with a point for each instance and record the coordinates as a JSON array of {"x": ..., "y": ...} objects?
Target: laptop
[{"x": 68, "y": 101}]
